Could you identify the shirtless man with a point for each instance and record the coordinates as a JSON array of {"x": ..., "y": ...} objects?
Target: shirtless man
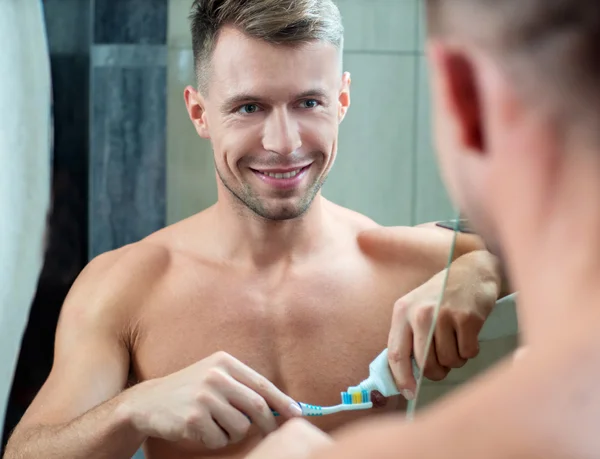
[
  {"x": 516, "y": 87},
  {"x": 183, "y": 341}
]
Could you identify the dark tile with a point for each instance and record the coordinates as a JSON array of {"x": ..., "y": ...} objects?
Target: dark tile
[
  {"x": 129, "y": 55},
  {"x": 70, "y": 91},
  {"x": 127, "y": 157},
  {"x": 130, "y": 21},
  {"x": 68, "y": 26}
]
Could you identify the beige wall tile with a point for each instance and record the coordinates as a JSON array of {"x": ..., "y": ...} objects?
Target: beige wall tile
[
  {"x": 373, "y": 169},
  {"x": 432, "y": 201},
  {"x": 490, "y": 353},
  {"x": 421, "y": 25},
  {"x": 431, "y": 392},
  {"x": 191, "y": 183},
  {"x": 379, "y": 25}
]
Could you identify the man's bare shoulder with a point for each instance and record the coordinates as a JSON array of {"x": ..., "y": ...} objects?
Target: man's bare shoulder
[
  {"x": 422, "y": 250},
  {"x": 115, "y": 282},
  {"x": 372, "y": 238},
  {"x": 349, "y": 220}
]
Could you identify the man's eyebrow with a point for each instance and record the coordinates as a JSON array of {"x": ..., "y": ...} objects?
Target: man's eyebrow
[
  {"x": 245, "y": 97},
  {"x": 316, "y": 92}
]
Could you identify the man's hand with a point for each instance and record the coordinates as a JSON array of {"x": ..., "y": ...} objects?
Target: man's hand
[
  {"x": 475, "y": 283},
  {"x": 470, "y": 295},
  {"x": 211, "y": 402},
  {"x": 296, "y": 439}
]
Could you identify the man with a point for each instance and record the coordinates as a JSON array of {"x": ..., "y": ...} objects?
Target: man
[
  {"x": 270, "y": 296},
  {"x": 516, "y": 86}
]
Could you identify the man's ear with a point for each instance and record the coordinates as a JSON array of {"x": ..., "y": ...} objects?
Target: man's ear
[
  {"x": 459, "y": 89},
  {"x": 344, "y": 97},
  {"x": 196, "y": 111}
]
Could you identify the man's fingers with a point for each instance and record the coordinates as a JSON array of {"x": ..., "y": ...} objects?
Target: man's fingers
[
  {"x": 205, "y": 430},
  {"x": 422, "y": 320},
  {"x": 400, "y": 353},
  {"x": 467, "y": 328},
  {"x": 446, "y": 343},
  {"x": 433, "y": 370},
  {"x": 275, "y": 399},
  {"x": 252, "y": 405},
  {"x": 230, "y": 420},
  {"x": 296, "y": 439},
  {"x": 213, "y": 436}
]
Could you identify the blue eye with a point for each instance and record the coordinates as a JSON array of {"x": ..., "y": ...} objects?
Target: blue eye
[
  {"x": 248, "y": 109},
  {"x": 310, "y": 103}
]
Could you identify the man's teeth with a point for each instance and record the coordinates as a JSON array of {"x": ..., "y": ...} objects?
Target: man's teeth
[{"x": 284, "y": 175}]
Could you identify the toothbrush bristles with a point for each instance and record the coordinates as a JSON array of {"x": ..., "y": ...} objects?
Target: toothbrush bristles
[{"x": 356, "y": 397}]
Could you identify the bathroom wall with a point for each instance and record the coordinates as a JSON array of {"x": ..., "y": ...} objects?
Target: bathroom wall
[
  {"x": 191, "y": 183},
  {"x": 128, "y": 118}
]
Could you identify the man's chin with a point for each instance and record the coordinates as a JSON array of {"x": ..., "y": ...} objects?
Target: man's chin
[
  {"x": 283, "y": 208},
  {"x": 282, "y": 213}
]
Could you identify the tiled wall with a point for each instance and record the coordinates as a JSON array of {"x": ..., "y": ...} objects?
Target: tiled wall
[
  {"x": 128, "y": 118},
  {"x": 386, "y": 166},
  {"x": 191, "y": 182}
]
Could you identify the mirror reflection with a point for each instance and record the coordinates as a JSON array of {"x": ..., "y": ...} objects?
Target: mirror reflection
[{"x": 244, "y": 224}]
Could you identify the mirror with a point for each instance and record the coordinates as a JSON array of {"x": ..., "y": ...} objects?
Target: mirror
[{"x": 128, "y": 162}]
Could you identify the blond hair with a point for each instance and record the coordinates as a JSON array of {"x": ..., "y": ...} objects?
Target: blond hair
[
  {"x": 281, "y": 22},
  {"x": 551, "y": 47}
]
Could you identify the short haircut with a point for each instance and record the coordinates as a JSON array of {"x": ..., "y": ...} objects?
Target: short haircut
[
  {"x": 551, "y": 46},
  {"x": 281, "y": 22}
]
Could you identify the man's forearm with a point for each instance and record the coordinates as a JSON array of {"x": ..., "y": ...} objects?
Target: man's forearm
[{"x": 102, "y": 433}]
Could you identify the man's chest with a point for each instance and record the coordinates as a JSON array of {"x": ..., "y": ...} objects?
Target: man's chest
[{"x": 312, "y": 335}]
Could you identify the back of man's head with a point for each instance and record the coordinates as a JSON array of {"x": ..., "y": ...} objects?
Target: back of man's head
[
  {"x": 516, "y": 96},
  {"x": 551, "y": 46},
  {"x": 281, "y": 22}
]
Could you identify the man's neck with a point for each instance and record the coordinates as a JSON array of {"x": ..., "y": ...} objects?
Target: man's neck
[
  {"x": 555, "y": 256},
  {"x": 246, "y": 237}
]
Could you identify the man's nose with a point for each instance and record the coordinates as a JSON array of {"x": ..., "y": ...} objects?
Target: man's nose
[{"x": 281, "y": 134}]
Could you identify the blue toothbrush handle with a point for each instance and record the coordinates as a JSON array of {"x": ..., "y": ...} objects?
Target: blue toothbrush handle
[{"x": 275, "y": 413}]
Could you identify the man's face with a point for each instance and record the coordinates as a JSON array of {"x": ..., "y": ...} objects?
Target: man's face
[{"x": 272, "y": 115}]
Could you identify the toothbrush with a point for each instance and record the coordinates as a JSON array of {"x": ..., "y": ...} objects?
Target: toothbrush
[{"x": 350, "y": 402}]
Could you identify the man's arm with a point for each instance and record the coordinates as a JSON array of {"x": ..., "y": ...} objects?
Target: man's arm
[
  {"x": 475, "y": 282},
  {"x": 82, "y": 410},
  {"x": 470, "y": 242},
  {"x": 76, "y": 414},
  {"x": 428, "y": 246}
]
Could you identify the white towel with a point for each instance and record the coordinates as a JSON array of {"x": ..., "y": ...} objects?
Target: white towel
[{"x": 25, "y": 145}]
